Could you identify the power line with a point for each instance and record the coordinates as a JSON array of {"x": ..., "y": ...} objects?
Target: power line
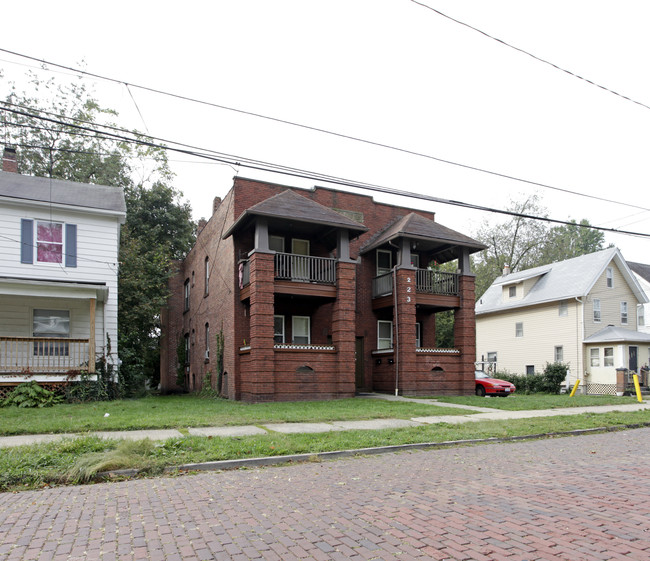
[
  {"x": 305, "y": 174},
  {"x": 331, "y": 133},
  {"x": 539, "y": 59}
]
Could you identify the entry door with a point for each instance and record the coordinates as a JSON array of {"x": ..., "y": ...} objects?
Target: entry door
[
  {"x": 359, "y": 373},
  {"x": 300, "y": 264},
  {"x": 634, "y": 363}
]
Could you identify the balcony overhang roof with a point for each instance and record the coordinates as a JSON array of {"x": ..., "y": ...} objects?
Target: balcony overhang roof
[
  {"x": 429, "y": 236},
  {"x": 290, "y": 207},
  {"x": 33, "y": 287}
]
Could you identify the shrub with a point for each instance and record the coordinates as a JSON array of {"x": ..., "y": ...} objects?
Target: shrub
[
  {"x": 550, "y": 381},
  {"x": 30, "y": 394}
]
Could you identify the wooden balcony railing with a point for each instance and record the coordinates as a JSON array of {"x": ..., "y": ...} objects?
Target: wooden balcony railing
[
  {"x": 427, "y": 282},
  {"x": 44, "y": 355},
  {"x": 305, "y": 268}
]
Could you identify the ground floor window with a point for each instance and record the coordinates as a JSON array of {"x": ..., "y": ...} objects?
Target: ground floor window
[
  {"x": 594, "y": 355},
  {"x": 559, "y": 354},
  {"x": 300, "y": 330},
  {"x": 384, "y": 334},
  {"x": 608, "y": 356},
  {"x": 530, "y": 369},
  {"x": 51, "y": 324},
  {"x": 278, "y": 329}
]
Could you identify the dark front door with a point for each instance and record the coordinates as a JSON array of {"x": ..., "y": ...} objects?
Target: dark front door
[
  {"x": 359, "y": 374},
  {"x": 633, "y": 364}
]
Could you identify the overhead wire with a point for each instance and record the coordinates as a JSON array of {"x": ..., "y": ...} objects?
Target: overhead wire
[
  {"x": 305, "y": 174},
  {"x": 331, "y": 133}
]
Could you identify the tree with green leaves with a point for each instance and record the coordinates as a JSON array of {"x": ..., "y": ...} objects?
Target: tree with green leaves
[{"x": 50, "y": 128}]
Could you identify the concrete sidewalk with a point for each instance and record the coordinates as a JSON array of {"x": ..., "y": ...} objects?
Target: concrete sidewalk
[{"x": 479, "y": 414}]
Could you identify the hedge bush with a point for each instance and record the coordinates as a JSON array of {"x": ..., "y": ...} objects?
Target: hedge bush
[{"x": 550, "y": 381}]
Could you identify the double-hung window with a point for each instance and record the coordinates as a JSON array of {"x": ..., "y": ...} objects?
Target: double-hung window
[
  {"x": 519, "y": 329},
  {"x": 610, "y": 277},
  {"x": 624, "y": 313},
  {"x": 51, "y": 324},
  {"x": 596, "y": 304},
  {"x": 594, "y": 355},
  {"x": 608, "y": 356},
  {"x": 300, "y": 330},
  {"x": 384, "y": 334},
  {"x": 44, "y": 241},
  {"x": 278, "y": 330}
]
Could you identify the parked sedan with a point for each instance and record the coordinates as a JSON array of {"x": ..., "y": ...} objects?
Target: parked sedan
[{"x": 485, "y": 385}]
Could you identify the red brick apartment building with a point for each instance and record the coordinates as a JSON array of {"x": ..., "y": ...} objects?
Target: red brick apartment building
[{"x": 318, "y": 294}]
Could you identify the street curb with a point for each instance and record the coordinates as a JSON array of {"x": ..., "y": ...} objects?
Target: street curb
[{"x": 322, "y": 456}]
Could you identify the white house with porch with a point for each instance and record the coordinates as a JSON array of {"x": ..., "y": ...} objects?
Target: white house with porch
[{"x": 59, "y": 245}]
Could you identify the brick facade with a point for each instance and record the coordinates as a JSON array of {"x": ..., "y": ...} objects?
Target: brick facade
[{"x": 244, "y": 297}]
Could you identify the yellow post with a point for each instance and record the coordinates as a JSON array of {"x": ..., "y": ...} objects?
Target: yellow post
[
  {"x": 637, "y": 388},
  {"x": 573, "y": 391}
]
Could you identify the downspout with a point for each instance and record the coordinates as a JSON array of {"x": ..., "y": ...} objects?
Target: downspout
[
  {"x": 579, "y": 340},
  {"x": 396, "y": 335}
]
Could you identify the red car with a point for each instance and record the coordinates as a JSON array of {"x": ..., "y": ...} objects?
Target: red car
[{"x": 492, "y": 386}]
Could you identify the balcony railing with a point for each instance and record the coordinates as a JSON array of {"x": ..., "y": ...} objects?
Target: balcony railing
[
  {"x": 427, "y": 281},
  {"x": 437, "y": 282},
  {"x": 305, "y": 268},
  {"x": 43, "y": 354}
]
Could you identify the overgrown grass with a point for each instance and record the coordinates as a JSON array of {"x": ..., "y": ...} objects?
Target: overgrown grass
[
  {"x": 74, "y": 461},
  {"x": 192, "y": 411},
  {"x": 521, "y": 402}
]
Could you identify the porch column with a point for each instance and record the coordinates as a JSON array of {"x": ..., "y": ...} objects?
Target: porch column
[
  {"x": 91, "y": 337},
  {"x": 463, "y": 261},
  {"x": 465, "y": 335},
  {"x": 257, "y": 384},
  {"x": 344, "y": 327},
  {"x": 404, "y": 322},
  {"x": 261, "y": 234},
  {"x": 343, "y": 245}
]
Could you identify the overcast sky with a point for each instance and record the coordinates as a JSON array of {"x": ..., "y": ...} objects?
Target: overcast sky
[{"x": 388, "y": 71}]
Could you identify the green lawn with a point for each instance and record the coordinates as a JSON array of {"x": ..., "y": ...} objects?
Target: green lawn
[
  {"x": 185, "y": 411},
  {"x": 522, "y": 402},
  {"x": 74, "y": 461}
]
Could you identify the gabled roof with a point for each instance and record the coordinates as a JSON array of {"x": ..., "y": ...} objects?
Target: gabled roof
[
  {"x": 289, "y": 205},
  {"x": 416, "y": 227},
  {"x": 640, "y": 269},
  {"x": 612, "y": 334},
  {"x": 28, "y": 188},
  {"x": 573, "y": 278}
]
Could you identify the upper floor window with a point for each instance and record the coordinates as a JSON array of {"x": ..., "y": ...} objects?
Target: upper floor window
[
  {"x": 186, "y": 295},
  {"x": 300, "y": 327},
  {"x": 640, "y": 315},
  {"x": 596, "y": 304},
  {"x": 512, "y": 291},
  {"x": 563, "y": 309},
  {"x": 610, "y": 277},
  {"x": 519, "y": 329},
  {"x": 276, "y": 243},
  {"x": 206, "y": 276},
  {"x": 384, "y": 262},
  {"x": 44, "y": 241},
  {"x": 415, "y": 260},
  {"x": 624, "y": 313}
]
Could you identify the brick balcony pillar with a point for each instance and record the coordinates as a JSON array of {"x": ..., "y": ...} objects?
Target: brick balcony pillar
[
  {"x": 258, "y": 383},
  {"x": 404, "y": 320},
  {"x": 465, "y": 334},
  {"x": 344, "y": 326}
]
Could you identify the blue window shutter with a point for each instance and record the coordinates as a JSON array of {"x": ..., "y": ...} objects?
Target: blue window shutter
[
  {"x": 26, "y": 240},
  {"x": 70, "y": 245}
]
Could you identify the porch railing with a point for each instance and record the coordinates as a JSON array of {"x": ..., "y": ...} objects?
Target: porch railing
[
  {"x": 426, "y": 281},
  {"x": 43, "y": 354},
  {"x": 305, "y": 268}
]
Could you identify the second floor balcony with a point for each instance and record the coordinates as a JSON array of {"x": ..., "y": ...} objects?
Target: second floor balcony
[{"x": 427, "y": 281}]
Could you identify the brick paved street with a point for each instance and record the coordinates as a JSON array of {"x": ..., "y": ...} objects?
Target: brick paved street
[{"x": 568, "y": 498}]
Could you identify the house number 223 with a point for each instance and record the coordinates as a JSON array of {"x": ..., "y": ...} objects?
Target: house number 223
[{"x": 408, "y": 289}]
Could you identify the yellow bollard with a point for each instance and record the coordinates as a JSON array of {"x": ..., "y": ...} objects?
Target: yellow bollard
[
  {"x": 573, "y": 391},
  {"x": 637, "y": 388}
]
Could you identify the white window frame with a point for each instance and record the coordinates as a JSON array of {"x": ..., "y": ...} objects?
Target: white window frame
[
  {"x": 558, "y": 354},
  {"x": 418, "y": 334},
  {"x": 206, "y": 278},
  {"x": 596, "y": 307},
  {"x": 519, "y": 329},
  {"x": 640, "y": 315},
  {"x": 207, "y": 341},
  {"x": 278, "y": 335},
  {"x": 624, "y": 316},
  {"x": 38, "y": 242},
  {"x": 415, "y": 260},
  {"x": 384, "y": 343},
  {"x": 295, "y": 322},
  {"x": 594, "y": 357},
  {"x": 610, "y": 277},
  {"x": 383, "y": 270},
  {"x": 563, "y": 309},
  {"x": 512, "y": 291},
  {"x": 608, "y": 357},
  {"x": 56, "y": 330}
]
